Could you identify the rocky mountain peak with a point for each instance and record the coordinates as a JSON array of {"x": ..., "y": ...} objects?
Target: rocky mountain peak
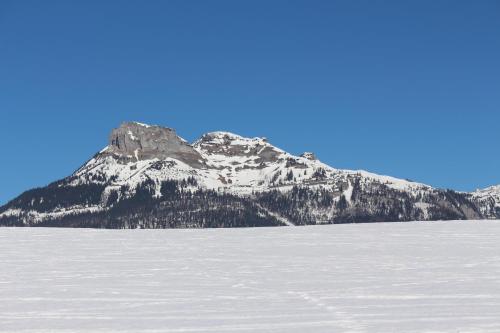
[
  {"x": 231, "y": 145},
  {"x": 310, "y": 156},
  {"x": 136, "y": 141},
  {"x": 227, "y": 138}
]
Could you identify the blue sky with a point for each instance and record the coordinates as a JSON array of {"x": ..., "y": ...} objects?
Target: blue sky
[{"x": 405, "y": 88}]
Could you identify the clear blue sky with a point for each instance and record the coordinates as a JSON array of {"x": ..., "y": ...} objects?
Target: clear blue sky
[{"x": 405, "y": 88}]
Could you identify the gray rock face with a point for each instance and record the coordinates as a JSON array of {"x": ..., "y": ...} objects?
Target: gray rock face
[{"x": 135, "y": 141}]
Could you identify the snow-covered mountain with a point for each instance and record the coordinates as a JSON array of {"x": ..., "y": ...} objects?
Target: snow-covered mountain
[
  {"x": 488, "y": 201},
  {"x": 148, "y": 176}
]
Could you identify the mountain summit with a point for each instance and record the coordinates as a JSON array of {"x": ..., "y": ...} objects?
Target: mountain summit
[
  {"x": 149, "y": 177},
  {"x": 137, "y": 141}
]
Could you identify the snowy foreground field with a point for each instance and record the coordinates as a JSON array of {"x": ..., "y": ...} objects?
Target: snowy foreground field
[{"x": 400, "y": 277}]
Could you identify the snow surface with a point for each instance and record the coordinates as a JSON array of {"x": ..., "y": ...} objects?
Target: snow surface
[
  {"x": 399, "y": 277},
  {"x": 143, "y": 125}
]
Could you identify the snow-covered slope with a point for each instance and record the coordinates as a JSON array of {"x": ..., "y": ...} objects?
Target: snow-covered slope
[
  {"x": 489, "y": 201},
  {"x": 302, "y": 189}
]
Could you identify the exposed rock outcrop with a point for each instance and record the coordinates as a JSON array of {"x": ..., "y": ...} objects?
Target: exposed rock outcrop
[
  {"x": 136, "y": 141},
  {"x": 310, "y": 156}
]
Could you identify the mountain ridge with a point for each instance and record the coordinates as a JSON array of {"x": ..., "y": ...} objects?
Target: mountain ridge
[{"x": 160, "y": 176}]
